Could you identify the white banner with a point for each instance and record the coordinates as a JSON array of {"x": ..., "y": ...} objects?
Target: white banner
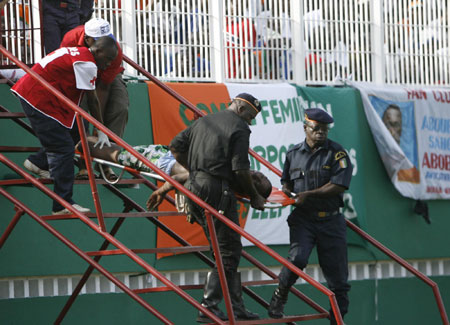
[
  {"x": 278, "y": 126},
  {"x": 411, "y": 128}
]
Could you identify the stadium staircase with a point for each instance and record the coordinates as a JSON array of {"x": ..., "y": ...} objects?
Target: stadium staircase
[{"x": 133, "y": 210}]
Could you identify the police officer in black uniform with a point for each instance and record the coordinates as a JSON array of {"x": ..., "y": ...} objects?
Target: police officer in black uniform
[
  {"x": 61, "y": 16},
  {"x": 215, "y": 151},
  {"x": 317, "y": 171}
]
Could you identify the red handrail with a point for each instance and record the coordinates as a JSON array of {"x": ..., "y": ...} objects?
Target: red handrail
[
  {"x": 352, "y": 226},
  {"x": 177, "y": 185},
  {"x": 407, "y": 266},
  {"x": 211, "y": 210}
]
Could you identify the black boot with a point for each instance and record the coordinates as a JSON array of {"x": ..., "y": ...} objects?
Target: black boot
[
  {"x": 212, "y": 296},
  {"x": 235, "y": 287},
  {"x": 278, "y": 301}
]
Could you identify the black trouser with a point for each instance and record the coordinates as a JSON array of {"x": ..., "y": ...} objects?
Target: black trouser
[
  {"x": 58, "y": 150},
  {"x": 330, "y": 236},
  {"x": 210, "y": 190}
]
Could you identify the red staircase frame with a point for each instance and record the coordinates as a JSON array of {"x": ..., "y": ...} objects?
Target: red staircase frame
[{"x": 121, "y": 248}]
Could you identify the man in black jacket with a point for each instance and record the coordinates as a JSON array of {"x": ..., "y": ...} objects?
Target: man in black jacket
[{"x": 215, "y": 151}]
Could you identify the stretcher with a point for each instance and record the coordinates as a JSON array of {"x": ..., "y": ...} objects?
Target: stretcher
[{"x": 275, "y": 200}]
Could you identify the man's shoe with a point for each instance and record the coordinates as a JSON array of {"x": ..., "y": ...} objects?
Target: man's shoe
[
  {"x": 36, "y": 170},
  {"x": 212, "y": 296},
  {"x": 278, "y": 301},
  {"x": 202, "y": 318},
  {"x": 65, "y": 211}
]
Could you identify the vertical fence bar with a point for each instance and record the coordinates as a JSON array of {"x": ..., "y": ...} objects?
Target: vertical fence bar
[
  {"x": 129, "y": 32},
  {"x": 354, "y": 23},
  {"x": 342, "y": 53},
  {"x": 378, "y": 57},
  {"x": 38, "y": 39},
  {"x": 218, "y": 50},
  {"x": 298, "y": 42}
]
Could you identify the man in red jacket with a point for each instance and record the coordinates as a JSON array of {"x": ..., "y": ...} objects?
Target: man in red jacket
[
  {"x": 72, "y": 71},
  {"x": 110, "y": 88}
]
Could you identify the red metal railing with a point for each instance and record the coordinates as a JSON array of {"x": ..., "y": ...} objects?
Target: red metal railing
[
  {"x": 166, "y": 177},
  {"x": 352, "y": 226},
  {"x": 208, "y": 208}
]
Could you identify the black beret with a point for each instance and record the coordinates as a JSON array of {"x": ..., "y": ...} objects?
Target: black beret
[
  {"x": 249, "y": 99},
  {"x": 318, "y": 115}
]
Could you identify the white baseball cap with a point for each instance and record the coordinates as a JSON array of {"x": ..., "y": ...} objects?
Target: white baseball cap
[{"x": 97, "y": 27}]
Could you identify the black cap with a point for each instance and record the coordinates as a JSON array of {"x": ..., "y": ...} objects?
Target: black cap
[
  {"x": 318, "y": 115},
  {"x": 249, "y": 99}
]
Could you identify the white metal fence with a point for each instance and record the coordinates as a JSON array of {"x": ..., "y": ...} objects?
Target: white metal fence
[
  {"x": 300, "y": 41},
  {"x": 20, "y": 30}
]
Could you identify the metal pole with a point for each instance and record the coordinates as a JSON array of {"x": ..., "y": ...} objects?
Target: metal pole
[
  {"x": 11, "y": 226},
  {"x": 220, "y": 269},
  {"x": 378, "y": 56},
  {"x": 92, "y": 183},
  {"x": 216, "y": 40}
]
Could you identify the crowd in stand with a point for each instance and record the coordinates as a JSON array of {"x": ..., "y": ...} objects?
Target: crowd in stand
[{"x": 174, "y": 39}]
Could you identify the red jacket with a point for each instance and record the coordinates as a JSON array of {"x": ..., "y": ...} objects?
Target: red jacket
[{"x": 70, "y": 70}]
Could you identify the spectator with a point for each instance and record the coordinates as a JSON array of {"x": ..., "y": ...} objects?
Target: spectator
[
  {"x": 240, "y": 37},
  {"x": 61, "y": 16}
]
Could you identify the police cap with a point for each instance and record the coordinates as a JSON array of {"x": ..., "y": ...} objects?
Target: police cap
[
  {"x": 318, "y": 115},
  {"x": 249, "y": 99}
]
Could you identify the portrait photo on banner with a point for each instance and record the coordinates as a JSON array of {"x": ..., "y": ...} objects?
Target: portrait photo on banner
[{"x": 399, "y": 119}]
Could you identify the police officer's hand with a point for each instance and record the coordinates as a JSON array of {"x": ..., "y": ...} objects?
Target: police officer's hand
[
  {"x": 155, "y": 199},
  {"x": 257, "y": 202},
  {"x": 300, "y": 198},
  {"x": 287, "y": 190}
]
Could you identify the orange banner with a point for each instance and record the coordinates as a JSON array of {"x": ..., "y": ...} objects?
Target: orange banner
[{"x": 169, "y": 117}]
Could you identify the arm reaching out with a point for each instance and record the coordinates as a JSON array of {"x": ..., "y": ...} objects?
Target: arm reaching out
[
  {"x": 158, "y": 196},
  {"x": 327, "y": 190}
]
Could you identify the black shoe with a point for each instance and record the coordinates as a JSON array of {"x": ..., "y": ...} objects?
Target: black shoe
[
  {"x": 244, "y": 314},
  {"x": 202, "y": 318},
  {"x": 278, "y": 301},
  {"x": 212, "y": 296}
]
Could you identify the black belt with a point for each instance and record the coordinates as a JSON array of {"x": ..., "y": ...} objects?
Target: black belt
[{"x": 203, "y": 174}]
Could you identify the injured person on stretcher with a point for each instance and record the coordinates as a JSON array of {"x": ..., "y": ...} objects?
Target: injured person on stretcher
[{"x": 160, "y": 156}]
